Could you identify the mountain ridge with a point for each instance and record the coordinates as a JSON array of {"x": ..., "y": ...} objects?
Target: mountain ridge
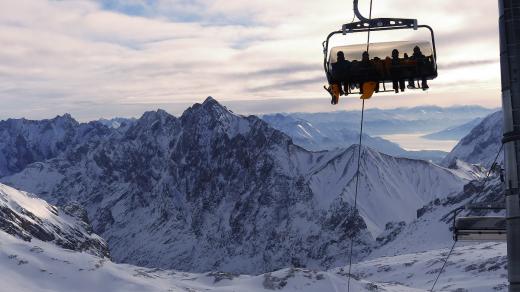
[{"x": 213, "y": 190}]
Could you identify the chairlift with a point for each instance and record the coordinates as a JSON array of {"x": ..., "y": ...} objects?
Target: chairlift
[
  {"x": 380, "y": 66},
  {"x": 479, "y": 228}
]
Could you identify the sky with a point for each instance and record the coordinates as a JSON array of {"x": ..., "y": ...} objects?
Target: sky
[{"x": 120, "y": 58}]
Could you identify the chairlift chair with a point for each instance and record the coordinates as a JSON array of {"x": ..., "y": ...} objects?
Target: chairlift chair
[
  {"x": 479, "y": 228},
  {"x": 408, "y": 69}
]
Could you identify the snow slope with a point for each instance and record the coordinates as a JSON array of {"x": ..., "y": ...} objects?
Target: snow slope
[
  {"x": 41, "y": 267},
  {"x": 481, "y": 145},
  {"x": 28, "y": 218},
  {"x": 472, "y": 268}
]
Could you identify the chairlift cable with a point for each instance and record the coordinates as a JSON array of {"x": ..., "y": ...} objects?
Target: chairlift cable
[
  {"x": 443, "y": 265},
  {"x": 460, "y": 209},
  {"x": 358, "y": 166},
  {"x": 368, "y": 35}
]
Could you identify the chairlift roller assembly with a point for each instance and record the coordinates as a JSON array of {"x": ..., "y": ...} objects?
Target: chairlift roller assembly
[{"x": 380, "y": 66}]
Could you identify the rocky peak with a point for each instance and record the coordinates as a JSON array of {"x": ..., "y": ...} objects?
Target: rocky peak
[
  {"x": 64, "y": 118},
  {"x": 153, "y": 116},
  {"x": 211, "y": 116}
]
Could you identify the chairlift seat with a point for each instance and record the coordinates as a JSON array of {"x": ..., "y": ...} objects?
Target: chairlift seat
[
  {"x": 480, "y": 229},
  {"x": 383, "y": 69}
]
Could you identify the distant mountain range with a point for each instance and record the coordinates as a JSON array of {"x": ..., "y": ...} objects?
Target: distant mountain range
[
  {"x": 425, "y": 119},
  {"x": 329, "y": 137}
]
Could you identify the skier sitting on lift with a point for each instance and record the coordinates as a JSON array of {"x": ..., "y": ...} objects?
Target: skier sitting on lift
[
  {"x": 341, "y": 72},
  {"x": 421, "y": 61},
  {"x": 339, "y": 75},
  {"x": 394, "y": 71},
  {"x": 369, "y": 79}
]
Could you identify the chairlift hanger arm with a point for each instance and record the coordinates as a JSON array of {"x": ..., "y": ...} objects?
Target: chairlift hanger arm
[{"x": 377, "y": 22}]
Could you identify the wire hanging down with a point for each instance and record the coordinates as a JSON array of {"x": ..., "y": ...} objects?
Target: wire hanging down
[
  {"x": 356, "y": 191},
  {"x": 358, "y": 164},
  {"x": 443, "y": 265}
]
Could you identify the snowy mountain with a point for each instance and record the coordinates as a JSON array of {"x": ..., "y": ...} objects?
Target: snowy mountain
[
  {"x": 23, "y": 142},
  {"x": 454, "y": 133},
  {"x": 310, "y": 137},
  {"x": 30, "y": 218},
  {"x": 213, "y": 190},
  {"x": 400, "y": 185},
  {"x": 481, "y": 145},
  {"x": 327, "y": 137}
]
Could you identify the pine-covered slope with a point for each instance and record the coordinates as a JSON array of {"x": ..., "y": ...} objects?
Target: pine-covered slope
[{"x": 213, "y": 190}]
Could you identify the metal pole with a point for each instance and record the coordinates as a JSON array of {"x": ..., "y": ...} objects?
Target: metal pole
[{"x": 510, "y": 68}]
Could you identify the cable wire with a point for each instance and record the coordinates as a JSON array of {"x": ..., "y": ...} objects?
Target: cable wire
[
  {"x": 358, "y": 165},
  {"x": 370, "y": 18},
  {"x": 356, "y": 191},
  {"x": 444, "y": 265},
  {"x": 455, "y": 215}
]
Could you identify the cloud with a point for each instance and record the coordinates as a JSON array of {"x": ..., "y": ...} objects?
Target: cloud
[
  {"x": 289, "y": 69},
  {"x": 106, "y": 54},
  {"x": 467, "y": 63},
  {"x": 289, "y": 85}
]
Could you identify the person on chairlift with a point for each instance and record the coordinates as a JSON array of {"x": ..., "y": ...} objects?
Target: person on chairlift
[
  {"x": 395, "y": 72},
  {"x": 379, "y": 67},
  {"x": 420, "y": 60},
  {"x": 368, "y": 71},
  {"x": 341, "y": 72}
]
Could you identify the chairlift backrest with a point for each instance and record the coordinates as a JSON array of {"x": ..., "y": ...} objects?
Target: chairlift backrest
[{"x": 480, "y": 229}]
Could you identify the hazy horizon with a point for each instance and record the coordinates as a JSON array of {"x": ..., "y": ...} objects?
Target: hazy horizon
[{"x": 241, "y": 107}]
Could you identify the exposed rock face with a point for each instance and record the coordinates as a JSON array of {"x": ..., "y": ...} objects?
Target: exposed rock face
[
  {"x": 213, "y": 190},
  {"x": 23, "y": 142},
  {"x": 28, "y": 217}
]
